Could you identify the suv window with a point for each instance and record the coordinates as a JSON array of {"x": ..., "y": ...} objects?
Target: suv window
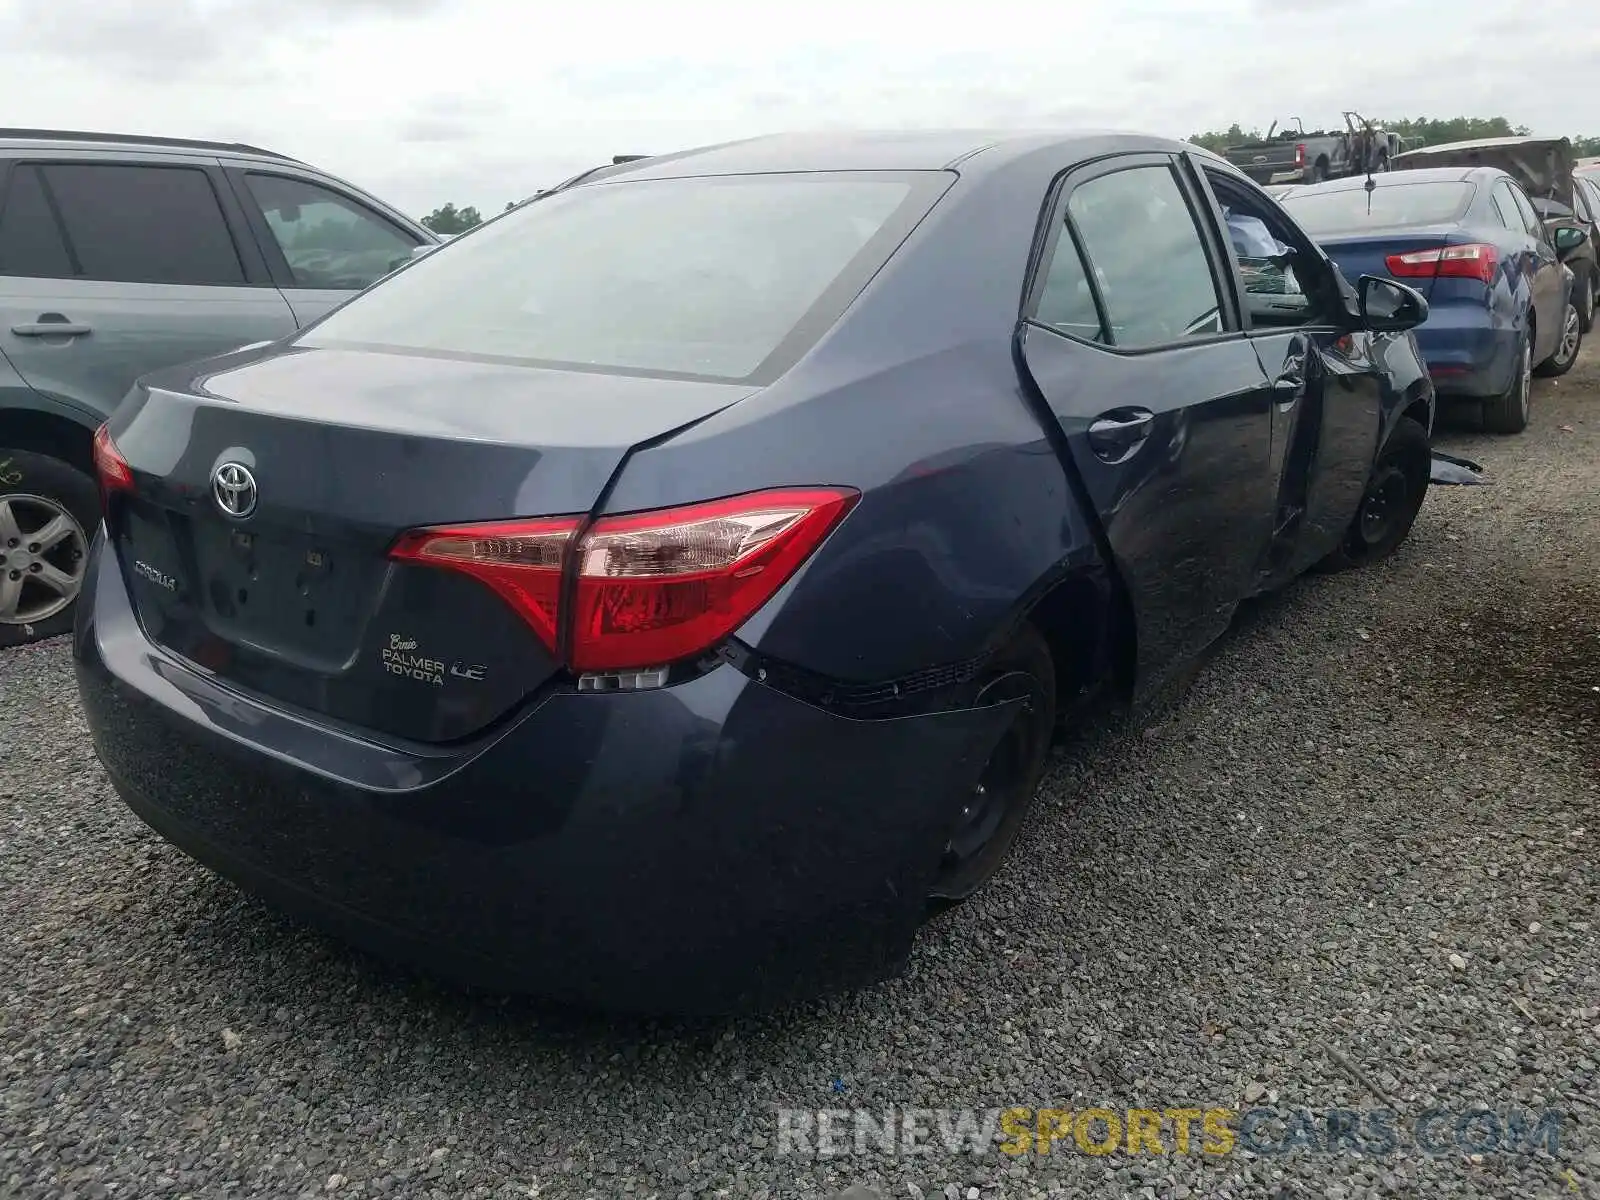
[
  {"x": 328, "y": 240},
  {"x": 30, "y": 240},
  {"x": 1530, "y": 218},
  {"x": 1147, "y": 256},
  {"x": 1580, "y": 202},
  {"x": 142, "y": 224}
]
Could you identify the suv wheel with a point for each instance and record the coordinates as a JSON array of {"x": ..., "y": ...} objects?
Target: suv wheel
[
  {"x": 48, "y": 511},
  {"x": 1585, "y": 291}
]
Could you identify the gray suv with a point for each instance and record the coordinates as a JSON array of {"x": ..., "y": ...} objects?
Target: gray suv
[{"x": 122, "y": 254}]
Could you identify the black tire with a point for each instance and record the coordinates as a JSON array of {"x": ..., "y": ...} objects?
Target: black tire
[
  {"x": 1583, "y": 288},
  {"x": 1567, "y": 347},
  {"x": 1319, "y": 171},
  {"x": 1395, "y": 490},
  {"x": 39, "y": 583},
  {"x": 1508, "y": 412},
  {"x": 986, "y": 825}
]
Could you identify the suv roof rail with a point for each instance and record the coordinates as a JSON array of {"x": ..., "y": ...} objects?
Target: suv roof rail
[{"x": 138, "y": 139}]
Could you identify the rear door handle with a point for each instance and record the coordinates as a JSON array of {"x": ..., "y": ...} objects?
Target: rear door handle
[
  {"x": 1116, "y": 434},
  {"x": 62, "y": 328}
]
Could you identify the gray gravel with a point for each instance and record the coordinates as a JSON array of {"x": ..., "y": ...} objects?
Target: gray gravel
[{"x": 1354, "y": 866}]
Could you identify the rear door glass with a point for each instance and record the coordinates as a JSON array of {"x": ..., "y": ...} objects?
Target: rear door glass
[
  {"x": 329, "y": 241},
  {"x": 30, "y": 240},
  {"x": 1147, "y": 255},
  {"x": 143, "y": 224}
]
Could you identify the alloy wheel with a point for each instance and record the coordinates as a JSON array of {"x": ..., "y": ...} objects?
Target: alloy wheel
[
  {"x": 1571, "y": 335},
  {"x": 43, "y": 556}
]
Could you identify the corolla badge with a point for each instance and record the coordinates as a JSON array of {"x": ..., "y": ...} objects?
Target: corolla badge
[{"x": 234, "y": 489}]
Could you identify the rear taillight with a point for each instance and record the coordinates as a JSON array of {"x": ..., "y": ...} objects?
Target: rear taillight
[
  {"x": 651, "y": 588},
  {"x": 1474, "y": 261},
  {"x": 109, "y": 466},
  {"x": 1300, "y": 156},
  {"x": 521, "y": 560}
]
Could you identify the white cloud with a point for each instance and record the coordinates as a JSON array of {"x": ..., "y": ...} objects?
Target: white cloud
[{"x": 483, "y": 101}]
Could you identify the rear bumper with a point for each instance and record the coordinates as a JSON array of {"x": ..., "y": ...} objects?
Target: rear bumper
[
  {"x": 710, "y": 847},
  {"x": 1467, "y": 355}
]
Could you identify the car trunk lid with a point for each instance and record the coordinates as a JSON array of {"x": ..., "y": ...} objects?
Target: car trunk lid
[
  {"x": 1367, "y": 252},
  {"x": 326, "y": 457}
]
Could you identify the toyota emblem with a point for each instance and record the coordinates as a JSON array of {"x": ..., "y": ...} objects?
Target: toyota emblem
[{"x": 234, "y": 489}]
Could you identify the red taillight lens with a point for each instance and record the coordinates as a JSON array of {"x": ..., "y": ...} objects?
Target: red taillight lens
[
  {"x": 521, "y": 560},
  {"x": 1474, "y": 261},
  {"x": 112, "y": 469},
  {"x": 1300, "y": 156},
  {"x": 652, "y": 588}
]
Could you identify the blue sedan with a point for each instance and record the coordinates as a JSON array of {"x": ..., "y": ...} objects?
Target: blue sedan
[
  {"x": 1500, "y": 303},
  {"x": 664, "y": 596}
]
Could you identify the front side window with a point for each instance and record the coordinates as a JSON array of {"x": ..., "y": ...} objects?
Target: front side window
[
  {"x": 329, "y": 241},
  {"x": 1147, "y": 256},
  {"x": 139, "y": 224},
  {"x": 709, "y": 276}
]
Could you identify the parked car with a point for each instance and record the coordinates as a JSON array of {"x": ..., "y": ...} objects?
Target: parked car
[
  {"x": 1500, "y": 302},
  {"x": 120, "y": 254},
  {"x": 1543, "y": 167},
  {"x": 1294, "y": 156},
  {"x": 662, "y": 596}
]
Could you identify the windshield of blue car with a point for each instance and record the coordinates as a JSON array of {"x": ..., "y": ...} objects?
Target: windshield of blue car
[
  {"x": 1321, "y": 212},
  {"x": 709, "y": 277}
]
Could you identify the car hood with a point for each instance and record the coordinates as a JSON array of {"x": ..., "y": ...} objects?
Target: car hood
[{"x": 1543, "y": 166}]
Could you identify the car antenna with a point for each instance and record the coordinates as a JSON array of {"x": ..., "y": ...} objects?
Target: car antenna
[{"x": 1368, "y": 149}]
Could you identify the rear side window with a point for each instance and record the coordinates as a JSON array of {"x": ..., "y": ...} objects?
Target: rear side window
[
  {"x": 1530, "y": 219},
  {"x": 1066, "y": 302},
  {"x": 1506, "y": 208},
  {"x": 138, "y": 224},
  {"x": 328, "y": 240},
  {"x": 30, "y": 240},
  {"x": 1147, "y": 256},
  {"x": 716, "y": 277}
]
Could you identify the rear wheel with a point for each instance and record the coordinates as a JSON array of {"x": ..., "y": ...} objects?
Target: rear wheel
[
  {"x": 1566, "y": 353},
  {"x": 1394, "y": 493},
  {"x": 48, "y": 511},
  {"x": 1508, "y": 412},
  {"x": 1584, "y": 288},
  {"x": 986, "y": 824}
]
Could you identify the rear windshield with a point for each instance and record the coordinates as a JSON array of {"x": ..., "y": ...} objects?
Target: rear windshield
[
  {"x": 717, "y": 277},
  {"x": 1341, "y": 210}
]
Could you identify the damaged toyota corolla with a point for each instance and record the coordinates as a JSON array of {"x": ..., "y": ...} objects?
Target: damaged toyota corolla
[{"x": 663, "y": 598}]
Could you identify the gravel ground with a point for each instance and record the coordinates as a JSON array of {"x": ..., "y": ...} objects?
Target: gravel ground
[{"x": 1353, "y": 867}]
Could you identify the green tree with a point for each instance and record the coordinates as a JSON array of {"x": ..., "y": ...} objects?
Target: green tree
[{"x": 451, "y": 220}]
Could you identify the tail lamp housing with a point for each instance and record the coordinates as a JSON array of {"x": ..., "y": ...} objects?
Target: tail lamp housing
[
  {"x": 642, "y": 589},
  {"x": 110, "y": 468},
  {"x": 1474, "y": 260}
]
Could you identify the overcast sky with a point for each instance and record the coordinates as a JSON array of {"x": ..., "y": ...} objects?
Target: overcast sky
[{"x": 485, "y": 101}]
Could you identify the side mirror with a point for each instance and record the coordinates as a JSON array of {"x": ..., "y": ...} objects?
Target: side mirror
[
  {"x": 1567, "y": 239},
  {"x": 1389, "y": 307}
]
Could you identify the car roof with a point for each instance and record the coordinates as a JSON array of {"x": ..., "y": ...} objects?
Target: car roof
[
  {"x": 885, "y": 150},
  {"x": 1491, "y": 143},
  {"x": 78, "y": 139}
]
